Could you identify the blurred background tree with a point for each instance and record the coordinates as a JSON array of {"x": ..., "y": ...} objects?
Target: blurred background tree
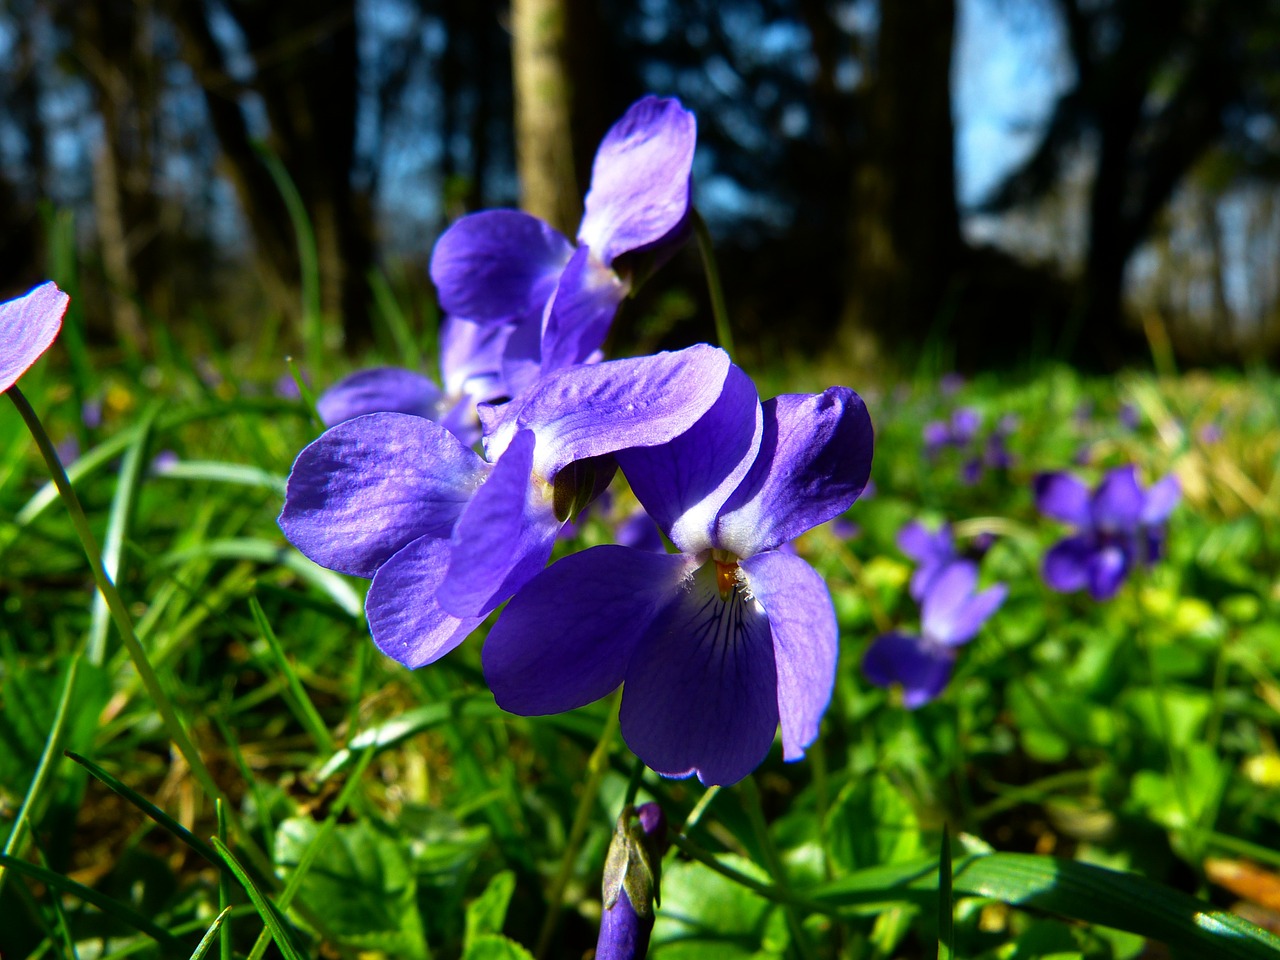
[{"x": 873, "y": 194}]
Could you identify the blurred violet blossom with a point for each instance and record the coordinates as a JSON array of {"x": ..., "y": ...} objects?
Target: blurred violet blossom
[
  {"x": 716, "y": 645},
  {"x": 932, "y": 550},
  {"x": 551, "y": 301},
  {"x": 28, "y": 326},
  {"x": 951, "y": 614},
  {"x": 1118, "y": 526},
  {"x": 446, "y": 535},
  {"x": 957, "y": 432},
  {"x": 470, "y": 371}
]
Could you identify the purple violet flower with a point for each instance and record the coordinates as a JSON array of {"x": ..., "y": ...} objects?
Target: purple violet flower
[
  {"x": 931, "y": 550},
  {"x": 718, "y": 644},
  {"x": 28, "y": 326},
  {"x": 445, "y": 535},
  {"x": 470, "y": 369},
  {"x": 951, "y": 614},
  {"x": 1119, "y": 525},
  {"x": 631, "y": 885},
  {"x": 556, "y": 299}
]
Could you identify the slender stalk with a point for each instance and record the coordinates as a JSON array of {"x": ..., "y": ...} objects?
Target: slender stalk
[
  {"x": 755, "y": 813},
  {"x": 633, "y": 785},
  {"x": 597, "y": 767},
  {"x": 52, "y": 748},
  {"x": 116, "y": 606},
  {"x": 718, "y": 309}
]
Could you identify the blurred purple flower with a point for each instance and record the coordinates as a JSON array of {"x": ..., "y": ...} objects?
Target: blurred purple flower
[
  {"x": 951, "y": 614},
  {"x": 553, "y": 299},
  {"x": 1119, "y": 526},
  {"x": 631, "y": 885},
  {"x": 1211, "y": 432},
  {"x": 716, "y": 645},
  {"x": 447, "y": 536},
  {"x": 950, "y": 384},
  {"x": 931, "y": 550},
  {"x": 28, "y": 326},
  {"x": 1129, "y": 417}
]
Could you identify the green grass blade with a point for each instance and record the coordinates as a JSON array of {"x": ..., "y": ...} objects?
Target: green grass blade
[
  {"x": 149, "y": 808},
  {"x": 313, "y": 333},
  {"x": 280, "y": 930},
  {"x": 233, "y": 474},
  {"x": 304, "y": 709},
  {"x": 393, "y": 317},
  {"x": 275, "y": 554},
  {"x": 309, "y": 855},
  {"x": 215, "y": 930},
  {"x": 224, "y": 887},
  {"x": 126, "y": 495},
  {"x": 409, "y": 724},
  {"x": 108, "y": 905},
  {"x": 44, "y": 769},
  {"x": 1078, "y": 891},
  {"x": 946, "y": 900}
]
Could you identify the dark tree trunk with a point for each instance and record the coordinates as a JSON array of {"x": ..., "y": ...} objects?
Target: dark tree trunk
[
  {"x": 904, "y": 231},
  {"x": 305, "y": 71}
]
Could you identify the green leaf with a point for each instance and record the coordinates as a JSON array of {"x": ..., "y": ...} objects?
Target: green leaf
[
  {"x": 487, "y": 912},
  {"x": 361, "y": 882},
  {"x": 494, "y": 946},
  {"x": 30, "y": 699},
  {"x": 1070, "y": 889},
  {"x": 872, "y": 823},
  {"x": 386, "y": 735},
  {"x": 279, "y": 927},
  {"x": 704, "y": 914}
]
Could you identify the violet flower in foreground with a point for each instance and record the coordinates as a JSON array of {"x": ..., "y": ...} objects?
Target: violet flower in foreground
[
  {"x": 1119, "y": 526},
  {"x": 553, "y": 299},
  {"x": 447, "y": 536},
  {"x": 721, "y": 643},
  {"x": 951, "y": 614},
  {"x": 631, "y": 885},
  {"x": 28, "y": 326}
]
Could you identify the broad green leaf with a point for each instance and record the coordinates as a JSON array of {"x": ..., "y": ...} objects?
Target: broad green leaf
[
  {"x": 362, "y": 884},
  {"x": 872, "y": 823},
  {"x": 493, "y": 946},
  {"x": 1069, "y": 889},
  {"x": 704, "y": 914},
  {"x": 487, "y": 912}
]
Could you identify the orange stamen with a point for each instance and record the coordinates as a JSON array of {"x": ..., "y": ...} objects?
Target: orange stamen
[{"x": 726, "y": 578}]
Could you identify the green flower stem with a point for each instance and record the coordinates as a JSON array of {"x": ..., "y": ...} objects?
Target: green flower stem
[
  {"x": 773, "y": 861},
  {"x": 597, "y": 767},
  {"x": 115, "y": 605},
  {"x": 718, "y": 309},
  {"x": 686, "y": 846},
  {"x": 52, "y": 748}
]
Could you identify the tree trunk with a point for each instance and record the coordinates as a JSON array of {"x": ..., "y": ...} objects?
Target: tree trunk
[
  {"x": 904, "y": 233},
  {"x": 543, "y": 96}
]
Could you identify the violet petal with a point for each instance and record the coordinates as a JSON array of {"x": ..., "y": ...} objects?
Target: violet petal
[
  {"x": 380, "y": 390},
  {"x": 368, "y": 487},
  {"x": 814, "y": 460},
  {"x": 504, "y": 536},
  {"x": 498, "y": 264},
  {"x": 802, "y": 621},
  {"x": 1061, "y": 496},
  {"x": 566, "y": 638},
  {"x": 683, "y": 483},
  {"x": 700, "y": 695},
  {"x": 640, "y": 180},
  {"x": 405, "y": 618},
  {"x": 28, "y": 326},
  {"x": 922, "y": 670},
  {"x": 1066, "y": 565}
]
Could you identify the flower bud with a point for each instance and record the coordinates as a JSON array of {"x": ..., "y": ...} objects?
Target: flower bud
[{"x": 631, "y": 878}]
